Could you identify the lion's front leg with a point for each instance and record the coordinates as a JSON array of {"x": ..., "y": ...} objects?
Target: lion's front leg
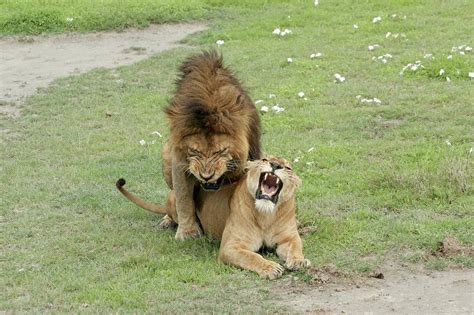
[
  {"x": 291, "y": 250},
  {"x": 185, "y": 209}
]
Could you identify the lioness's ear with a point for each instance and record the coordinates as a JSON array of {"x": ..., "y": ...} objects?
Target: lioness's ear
[{"x": 297, "y": 181}]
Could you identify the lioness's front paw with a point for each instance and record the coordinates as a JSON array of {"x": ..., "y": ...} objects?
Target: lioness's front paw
[
  {"x": 298, "y": 263},
  {"x": 184, "y": 233},
  {"x": 272, "y": 270}
]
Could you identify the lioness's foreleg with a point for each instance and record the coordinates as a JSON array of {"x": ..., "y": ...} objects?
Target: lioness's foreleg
[
  {"x": 291, "y": 250},
  {"x": 183, "y": 187},
  {"x": 241, "y": 256}
]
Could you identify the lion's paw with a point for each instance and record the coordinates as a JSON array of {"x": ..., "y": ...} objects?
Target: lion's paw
[
  {"x": 184, "y": 233},
  {"x": 167, "y": 222},
  {"x": 298, "y": 263},
  {"x": 272, "y": 270}
]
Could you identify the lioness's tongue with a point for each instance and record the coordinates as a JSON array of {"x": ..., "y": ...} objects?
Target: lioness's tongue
[{"x": 268, "y": 190}]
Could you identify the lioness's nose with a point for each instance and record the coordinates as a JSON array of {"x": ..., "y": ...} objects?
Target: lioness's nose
[{"x": 206, "y": 177}]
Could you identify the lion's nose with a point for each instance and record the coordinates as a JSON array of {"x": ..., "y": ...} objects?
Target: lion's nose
[{"x": 206, "y": 177}]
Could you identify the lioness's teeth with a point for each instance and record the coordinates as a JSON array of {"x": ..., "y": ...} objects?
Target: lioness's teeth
[
  {"x": 277, "y": 180},
  {"x": 266, "y": 175}
]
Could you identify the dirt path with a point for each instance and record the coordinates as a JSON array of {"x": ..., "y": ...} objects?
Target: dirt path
[
  {"x": 29, "y": 63},
  {"x": 400, "y": 292}
]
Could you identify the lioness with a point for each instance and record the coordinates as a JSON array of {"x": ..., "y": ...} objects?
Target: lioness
[
  {"x": 263, "y": 214},
  {"x": 214, "y": 130},
  {"x": 258, "y": 210}
]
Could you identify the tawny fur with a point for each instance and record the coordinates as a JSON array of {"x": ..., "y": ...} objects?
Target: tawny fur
[{"x": 214, "y": 130}]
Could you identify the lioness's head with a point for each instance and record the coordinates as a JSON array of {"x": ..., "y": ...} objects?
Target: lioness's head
[
  {"x": 214, "y": 159},
  {"x": 271, "y": 181}
]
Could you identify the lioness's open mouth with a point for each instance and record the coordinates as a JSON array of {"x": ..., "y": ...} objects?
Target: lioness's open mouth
[{"x": 269, "y": 188}]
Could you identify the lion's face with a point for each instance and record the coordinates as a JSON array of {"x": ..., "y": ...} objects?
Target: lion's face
[
  {"x": 213, "y": 159},
  {"x": 271, "y": 181}
]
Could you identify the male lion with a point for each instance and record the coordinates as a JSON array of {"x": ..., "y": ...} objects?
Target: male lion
[
  {"x": 258, "y": 210},
  {"x": 215, "y": 129}
]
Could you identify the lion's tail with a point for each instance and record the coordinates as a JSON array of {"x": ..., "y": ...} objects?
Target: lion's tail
[{"x": 136, "y": 200}]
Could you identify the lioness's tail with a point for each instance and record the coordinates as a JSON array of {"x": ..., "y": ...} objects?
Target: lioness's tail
[{"x": 136, "y": 200}]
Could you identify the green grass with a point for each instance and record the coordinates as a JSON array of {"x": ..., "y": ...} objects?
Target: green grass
[{"x": 381, "y": 183}]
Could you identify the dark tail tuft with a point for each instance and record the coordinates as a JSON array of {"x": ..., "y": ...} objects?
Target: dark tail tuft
[{"x": 120, "y": 183}]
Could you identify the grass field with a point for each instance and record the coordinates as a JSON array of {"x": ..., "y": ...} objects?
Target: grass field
[{"x": 380, "y": 181}]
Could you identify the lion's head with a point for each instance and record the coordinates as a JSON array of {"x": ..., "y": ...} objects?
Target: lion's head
[
  {"x": 271, "y": 181},
  {"x": 215, "y": 128}
]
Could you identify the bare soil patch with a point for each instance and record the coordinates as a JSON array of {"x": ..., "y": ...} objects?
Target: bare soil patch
[
  {"x": 28, "y": 63},
  {"x": 391, "y": 290}
]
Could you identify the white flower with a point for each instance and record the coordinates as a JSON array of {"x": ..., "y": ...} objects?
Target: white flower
[
  {"x": 358, "y": 97},
  {"x": 157, "y": 133},
  {"x": 377, "y": 101},
  {"x": 470, "y": 151},
  {"x": 428, "y": 56},
  {"x": 310, "y": 149},
  {"x": 373, "y": 47},
  {"x": 289, "y": 60},
  {"x": 271, "y": 95},
  {"x": 316, "y": 2},
  {"x": 448, "y": 79},
  {"x": 388, "y": 34},
  {"x": 69, "y": 19},
  {"x": 264, "y": 109},
  {"x": 447, "y": 142},
  {"x": 450, "y": 57},
  {"x": 278, "y": 109},
  {"x": 468, "y": 48},
  {"x": 258, "y": 102},
  {"x": 316, "y": 55},
  {"x": 142, "y": 142},
  {"x": 220, "y": 42},
  {"x": 355, "y": 26},
  {"x": 462, "y": 53},
  {"x": 394, "y": 15},
  {"x": 339, "y": 78},
  {"x": 471, "y": 75},
  {"x": 441, "y": 72},
  {"x": 301, "y": 94},
  {"x": 276, "y": 31},
  {"x": 296, "y": 160},
  {"x": 376, "y": 19}
]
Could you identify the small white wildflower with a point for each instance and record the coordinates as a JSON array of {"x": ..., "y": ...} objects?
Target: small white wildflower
[
  {"x": 461, "y": 47},
  {"x": 377, "y": 101},
  {"x": 428, "y": 56},
  {"x": 220, "y": 42},
  {"x": 278, "y": 109},
  {"x": 289, "y": 60},
  {"x": 450, "y": 57},
  {"x": 373, "y": 47},
  {"x": 276, "y": 31},
  {"x": 471, "y": 75},
  {"x": 271, "y": 95},
  {"x": 394, "y": 15},
  {"x": 470, "y": 151},
  {"x": 142, "y": 142},
  {"x": 447, "y": 142},
  {"x": 69, "y": 19},
  {"x": 388, "y": 34},
  {"x": 358, "y": 97},
  {"x": 264, "y": 109},
  {"x": 286, "y": 31},
  {"x": 310, "y": 149},
  {"x": 339, "y": 78},
  {"x": 395, "y": 35},
  {"x": 448, "y": 79},
  {"x": 404, "y": 17},
  {"x": 462, "y": 53},
  {"x": 376, "y": 19},
  {"x": 301, "y": 94},
  {"x": 316, "y": 55},
  {"x": 441, "y": 72},
  {"x": 157, "y": 133},
  {"x": 316, "y": 2},
  {"x": 355, "y": 26},
  {"x": 258, "y": 101},
  {"x": 296, "y": 160},
  {"x": 310, "y": 163},
  {"x": 468, "y": 48}
]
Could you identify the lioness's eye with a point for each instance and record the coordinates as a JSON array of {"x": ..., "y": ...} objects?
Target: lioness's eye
[
  {"x": 288, "y": 168},
  {"x": 264, "y": 160}
]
